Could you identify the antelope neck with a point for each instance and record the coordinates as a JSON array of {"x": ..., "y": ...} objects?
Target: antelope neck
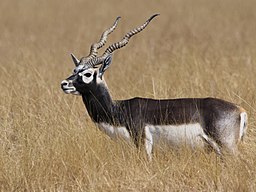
[{"x": 100, "y": 105}]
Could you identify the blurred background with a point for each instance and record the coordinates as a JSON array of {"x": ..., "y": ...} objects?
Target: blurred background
[{"x": 197, "y": 48}]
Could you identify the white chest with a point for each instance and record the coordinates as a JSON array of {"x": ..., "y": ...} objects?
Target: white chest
[{"x": 114, "y": 132}]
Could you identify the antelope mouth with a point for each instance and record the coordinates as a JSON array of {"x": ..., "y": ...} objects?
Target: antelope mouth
[{"x": 69, "y": 88}]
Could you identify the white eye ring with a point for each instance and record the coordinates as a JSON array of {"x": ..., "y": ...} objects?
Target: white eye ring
[{"x": 87, "y": 77}]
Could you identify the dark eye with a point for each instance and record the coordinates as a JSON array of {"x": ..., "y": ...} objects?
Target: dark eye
[{"x": 87, "y": 74}]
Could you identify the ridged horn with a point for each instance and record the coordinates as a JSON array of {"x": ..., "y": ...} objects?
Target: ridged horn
[
  {"x": 126, "y": 38},
  {"x": 98, "y": 60},
  {"x": 94, "y": 47}
]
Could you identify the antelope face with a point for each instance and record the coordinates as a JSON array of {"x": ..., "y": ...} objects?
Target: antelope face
[
  {"x": 80, "y": 81},
  {"x": 85, "y": 79}
]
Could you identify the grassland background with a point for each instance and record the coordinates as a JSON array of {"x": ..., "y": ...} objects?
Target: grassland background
[{"x": 195, "y": 48}]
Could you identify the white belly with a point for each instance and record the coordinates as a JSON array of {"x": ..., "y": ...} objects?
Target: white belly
[
  {"x": 176, "y": 135},
  {"x": 114, "y": 132}
]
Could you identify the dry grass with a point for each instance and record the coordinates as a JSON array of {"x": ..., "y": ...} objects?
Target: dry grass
[{"x": 194, "y": 49}]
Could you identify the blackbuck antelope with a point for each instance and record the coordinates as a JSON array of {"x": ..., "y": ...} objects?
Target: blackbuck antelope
[{"x": 191, "y": 121}]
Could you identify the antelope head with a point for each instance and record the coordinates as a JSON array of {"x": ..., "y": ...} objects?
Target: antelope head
[{"x": 87, "y": 74}]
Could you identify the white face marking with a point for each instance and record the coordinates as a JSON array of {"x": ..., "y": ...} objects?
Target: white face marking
[
  {"x": 87, "y": 75},
  {"x": 68, "y": 87},
  {"x": 74, "y": 92},
  {"x": 175, "y": 135},
  {"x": 114, "y": 132}
]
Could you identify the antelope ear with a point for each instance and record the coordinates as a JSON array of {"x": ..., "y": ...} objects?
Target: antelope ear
[
  {"x": 75, "y": 60},
  {"x": 106, "y": 63}
]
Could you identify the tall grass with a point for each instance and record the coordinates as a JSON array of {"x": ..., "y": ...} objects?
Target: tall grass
[{"x": 194, "y": 49}]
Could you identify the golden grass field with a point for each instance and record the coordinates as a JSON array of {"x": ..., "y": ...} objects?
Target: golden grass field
[{"x": 194, "y": 48}]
